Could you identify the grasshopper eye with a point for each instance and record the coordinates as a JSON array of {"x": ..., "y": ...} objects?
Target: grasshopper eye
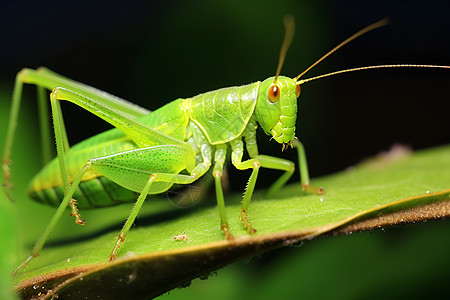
[
  {"x": 274, "y": 93},
  {"x": 297, "y": 90}
]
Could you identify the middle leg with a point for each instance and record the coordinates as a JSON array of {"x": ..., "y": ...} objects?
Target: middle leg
[
  {"x": 219, "y": 160},
  {"x": 255, "y": 163}
]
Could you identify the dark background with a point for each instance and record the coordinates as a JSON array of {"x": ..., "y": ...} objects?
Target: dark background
[{"x": 156, "y": 51}]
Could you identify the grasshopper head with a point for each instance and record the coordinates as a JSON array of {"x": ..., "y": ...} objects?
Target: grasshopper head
[{"x": 276, "y": 108}]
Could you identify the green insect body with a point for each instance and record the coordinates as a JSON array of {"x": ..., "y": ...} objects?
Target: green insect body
[
  {"x": 148, "y": 152},
  {"x": 220, "y": 115}
]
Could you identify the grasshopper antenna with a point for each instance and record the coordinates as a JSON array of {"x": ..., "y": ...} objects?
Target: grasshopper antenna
[
  {"x": 354, "y": 36},
  {"x": 289, "y": 25},
  {"x": 351, "y": 38},
  {"x": 371, "y": 67}
]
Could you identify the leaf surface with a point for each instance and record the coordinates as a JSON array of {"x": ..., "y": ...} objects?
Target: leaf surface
[{"x": 389, "y": 189}]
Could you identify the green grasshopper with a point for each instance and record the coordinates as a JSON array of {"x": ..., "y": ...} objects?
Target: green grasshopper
[{"x": 148, "y": 152}]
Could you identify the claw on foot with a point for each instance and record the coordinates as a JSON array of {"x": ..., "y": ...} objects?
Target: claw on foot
[
  {"x": 313, "y": 190},
  {"x": 244, "y": 219},
  {"x": 112, "y": 257},
  {"x": 226, "y": 232}
]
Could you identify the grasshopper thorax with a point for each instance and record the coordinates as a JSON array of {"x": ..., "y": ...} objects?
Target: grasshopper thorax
[{"x": 276, "y": 108}]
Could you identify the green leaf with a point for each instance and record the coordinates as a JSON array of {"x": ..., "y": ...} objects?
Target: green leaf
[{"x": 389, "y": 189}]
